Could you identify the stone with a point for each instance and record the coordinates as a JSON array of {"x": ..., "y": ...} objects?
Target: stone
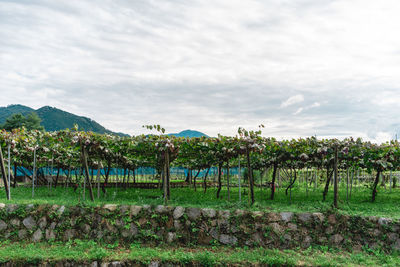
[
  {"x": 37, "y": 235},
  {"x": 276, "y": 228},
  {"x": 161, "y": 209},
  {"x": 53, "y": 225},
  {"x": 384, "y": 221},
  {"x": 86, "y": 228},
  {"x": 115, "y": 264},
  {"x": 396, "y": 245},
  {"x": 29, "y": 207},
  {"x": 135, "y": 210},
  {"x": 50, "y": 234},
  {"x": 329, "y": 230},
  {"x": 306, "y": 242},
  {"x": 318, "y": 217},
  {"x": 2, "y": 205},
  {"x": 257, "y": 214},
  {"x": 228, "y": 239},
  {"x": 3, "y": 225},
  {"x": 287, "y": 237},
  {"x": 124, "y": 209},
  {"x": 42, "y": 223},
  {"x": 146, "y": 207},
  {"x": 154, "y": 264},
  {"x": 209, "y": 213},
  {"x": 257, "y": 239},
  {"x": 332, "y": 219},
  {"x": 240, "y": 212},
  {"x": 29, "y": 222},
  {"x": 304, "y": 217},
  {"x": 171, "y": 237},
  {"x": 110, "y": 207},
  {"x": 286, "y": 216},
  {"x": 15, "y": 222},
  {"x": 94, "y": 264},
  {"x": 336, "y": 239},
  {"x": 69, "y": 234},
  {"x": 225, "y": 214},
  {"x": 178, "y": 212},
  {"x": 11, "y": 207},
  {"x": 214, "y": 233},
  {"x": 177, "y": 225},
  {"x": 273, "y": 217},
  {"x": 193, "y": 213},
  {"x": 61, "y": 210},
  {"x": 393, "y": 237},
  {"x": 292, "y": 226},
  {"x": 22, "y": 234}
]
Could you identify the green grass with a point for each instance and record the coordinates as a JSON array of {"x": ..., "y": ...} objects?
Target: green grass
[
  {"x": 386, "y": 205},
  {"x": 85, "y": 251}
]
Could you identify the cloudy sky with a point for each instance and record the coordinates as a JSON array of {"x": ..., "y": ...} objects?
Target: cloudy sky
[{"x": 306, "y": 67}]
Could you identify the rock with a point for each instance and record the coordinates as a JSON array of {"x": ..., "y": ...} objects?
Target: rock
[
  {"x": 69, "y": 234},
  {"x": 276, "y": 228},
  {"x": 393, "y": 237},
  {"x": 257, "y": 239},
  {"x": 94, "y": 264},
  {"x": 50, "y": 234},
  {"x": 177, "y": 225},
  {"x": 225, "y": 214},
  {"x": 214, "y": 233},
  {"x": 178, "y": 212},
  {"x": 273, "y": 217},
  {"x": 15, "y": 222},
  {"x": 42, "y": 223},
  {"x": 286, "y": 216},
  {"x": 171, "y": 237},
  {"x": 304, "y": 217},
  {"x": 22, "y": 234},
  {"x": 318, "y": 217},
  {"x": 61, "y": 210},
  {"x": 53, "y": 225},
  {"x": 2, "y": 205},
  {"x": 228, "y": 239},
  {"x": 384, "y": 221},
  {"x": 257, "y": 214},
  {"x": 86, "y": 228},
  {"x": 332, "y": 219},
  {"x": 161, "y": 209},
  {"x": 11, "y": 207},
  {"x": 29, "y": 222},
  {"x": 146, "y": 207},
  {"x": 110, "y": 207},
  {"x": 240, "y": 212},
  {"x": 292, "y": 226},
  {"x": 396, "y": 245},
  {"x": 336, "y": 239},
  {"x": 209, "y": 213},
  {"x": 124, "y": 209},
  {"x": 154, "y": 264},
  {"x": 37, "y": 235},
  {"x": 306, "y": 242},
  {"x": 135, "y": 210},
  {"x": 329, "y": 230},
  {"x": 193, "y": 213},
  {"x": 115, "y": 264},
  {"x": 29, "y": 207},
  {"x": 3, "y": 225}
]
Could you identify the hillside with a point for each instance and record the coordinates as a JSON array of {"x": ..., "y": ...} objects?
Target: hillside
[
  {"x": 54, "y": 119},
  {"x": 189, "y": 133}
]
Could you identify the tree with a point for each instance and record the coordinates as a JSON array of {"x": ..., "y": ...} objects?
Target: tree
[{"x": 31, "y": 122}]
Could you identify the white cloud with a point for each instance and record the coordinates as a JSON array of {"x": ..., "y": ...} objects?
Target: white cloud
[
  {"x": 210, "y": 66},
  {"x": 292, "y": 100}
]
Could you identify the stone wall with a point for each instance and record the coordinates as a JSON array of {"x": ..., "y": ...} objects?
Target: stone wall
[{"x": 195, "y": 226}]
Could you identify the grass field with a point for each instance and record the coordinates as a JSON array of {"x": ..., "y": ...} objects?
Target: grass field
[
  {"x": 386, "y": 205},
  {"x": 86, "y": 251}
]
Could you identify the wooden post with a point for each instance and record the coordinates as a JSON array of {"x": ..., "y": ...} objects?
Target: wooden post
[
  {"x": 251, "y": 182},
  {"x": 3, "y": 173},
  {"x": 227, "y": 179},
  {"x": 86, "y": 167},
  {"x": 34, "y": 172},
  {"x": 9, "y": 170},
  {"x": 335, "y": 186},
  {"x": 240, "y": 194}
]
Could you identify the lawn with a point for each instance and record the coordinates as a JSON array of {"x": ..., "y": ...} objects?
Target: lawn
[{"x": 302, "y": 200}]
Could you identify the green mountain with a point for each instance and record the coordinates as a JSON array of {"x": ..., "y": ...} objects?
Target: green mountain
[
  {"x": 54, "y": 119},
  {"x": 189, "y": 133}
]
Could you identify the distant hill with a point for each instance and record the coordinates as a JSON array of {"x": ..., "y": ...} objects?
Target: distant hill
[
  {"x": 54, "y": 119},
  {"x": 189, "y": 133}
]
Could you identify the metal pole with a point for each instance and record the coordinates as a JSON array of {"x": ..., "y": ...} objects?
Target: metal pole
[
  {"x": 9, "y": 171},
  {"x": 34, "y": 172},
  {"x": 240, "y": 194}
]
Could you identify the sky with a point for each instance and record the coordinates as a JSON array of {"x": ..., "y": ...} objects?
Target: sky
[{"x": 300, "y": 67}]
